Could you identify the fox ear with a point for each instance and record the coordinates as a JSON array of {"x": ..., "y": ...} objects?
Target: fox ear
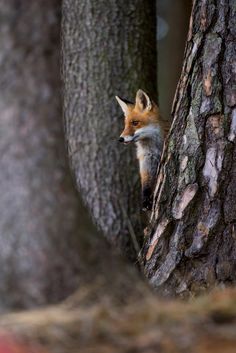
[
  {"x": 142, "y": 101},
  {"x": 124, "y": 104}
]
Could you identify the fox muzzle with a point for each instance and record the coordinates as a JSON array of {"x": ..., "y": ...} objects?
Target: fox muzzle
[{"x": 126, "y": 139}]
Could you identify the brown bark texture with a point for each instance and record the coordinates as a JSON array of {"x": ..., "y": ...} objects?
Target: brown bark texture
[
  {"x": 124, "y": 324},
  {"x": 109, "y": 48},
  {"x": 192, "y": 240},
  {"x": 40, "y": 218}
]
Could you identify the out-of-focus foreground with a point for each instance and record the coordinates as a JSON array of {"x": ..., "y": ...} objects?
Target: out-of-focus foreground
[{"x": 125, "y": 324}]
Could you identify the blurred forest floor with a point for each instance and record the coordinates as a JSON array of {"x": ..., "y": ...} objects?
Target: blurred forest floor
[{"x": 97, "y": 319}]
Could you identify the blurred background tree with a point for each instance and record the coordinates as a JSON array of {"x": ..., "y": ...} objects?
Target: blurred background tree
[
  {"x": 40, "y": 214},
  {"x": 108, "y": 50}
]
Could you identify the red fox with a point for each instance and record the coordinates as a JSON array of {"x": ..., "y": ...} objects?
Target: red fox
[{"x": 145, "y": 127}]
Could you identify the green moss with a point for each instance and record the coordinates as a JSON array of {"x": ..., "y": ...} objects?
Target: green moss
[
  {"x": 189, "y": 148},
  {"x": 171, "y": 145},
  {"x": 192, "y": 137},
  {"x": 197, "y": 99}
]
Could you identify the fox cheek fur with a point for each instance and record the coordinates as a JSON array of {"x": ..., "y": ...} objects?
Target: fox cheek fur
[{"x": 144, "y": 126}]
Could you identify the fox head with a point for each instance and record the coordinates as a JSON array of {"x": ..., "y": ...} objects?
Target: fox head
[{"x": 141, "y": 115}]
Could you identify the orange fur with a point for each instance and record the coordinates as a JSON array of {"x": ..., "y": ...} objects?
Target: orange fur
[
  {"x": 145, "y": 176},
  {"x": 144, "y": 125},
  {"x": 145, "y": 118}
]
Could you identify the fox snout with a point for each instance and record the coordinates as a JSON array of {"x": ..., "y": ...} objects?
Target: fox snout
[{"x": 126, "y": 139}]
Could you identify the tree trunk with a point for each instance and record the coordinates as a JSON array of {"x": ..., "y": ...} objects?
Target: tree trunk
[
  {"x": 109, "y": 48},
  {"x": 39, "y": 209},
  {"x": 192, "y": 240}
]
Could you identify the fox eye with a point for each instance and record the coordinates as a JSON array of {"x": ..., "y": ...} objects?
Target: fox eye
[{"x": 135, "y": 123}]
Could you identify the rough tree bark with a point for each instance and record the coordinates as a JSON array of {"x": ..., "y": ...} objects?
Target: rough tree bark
[
  {"x": 192, "y": 239},
  {"x": 39, "y": 210},
  {"x": 108, "y": 49}
]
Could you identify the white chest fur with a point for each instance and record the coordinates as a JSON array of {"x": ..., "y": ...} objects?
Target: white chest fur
[
  {"x": 149, "y": 140},
  {"x": 149, "y": 146}
]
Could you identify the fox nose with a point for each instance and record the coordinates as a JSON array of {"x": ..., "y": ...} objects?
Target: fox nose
[{"x": 121, "y": 139}]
